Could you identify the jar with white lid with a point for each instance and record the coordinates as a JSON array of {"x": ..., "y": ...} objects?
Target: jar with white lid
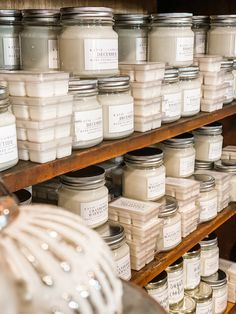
[
  {"x": 10, "y": 27},
  {"x": 175, "y": 279},
  {"x": 209, "y": 255},
  {"x": 208, "y": 198},
  {"x": 39, "y": 40},
  {"x": 191, "y": 90},
  {"x": 208, "y": 142},
  {"x": 117, "y": 106},
  {"x": 218, "y": 282},
  {"x": 227, "y": 68},
  {"x": 202, "y": 295},
  {"x": 192, "y": 276},
  {"x": 144, "y": 174},
  {"x": 8, "y": 139},
  {"x": 158, "y": 289},
  {"x": 83, "y": 192},
  {"x": 229, "y": 167},
  {"x": 170, "y": 235},
  {"x": 200, "y": 27},
  {"x": 188, "y": 306},
  {"x": 171, "y": 96},
  {"x": 114, "y": 236},
  {"x": 88, "y": 44},
  {"x": 179, "y": 156},
  {"x": 171, "y": 39},
  {"x": 204, "y": 165},
  {"x": 132, "y": 32},
  {"x": 87, "y": 122}
]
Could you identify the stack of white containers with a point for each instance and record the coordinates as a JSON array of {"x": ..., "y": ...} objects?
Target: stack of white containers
[
  {"x": 145, "y": 81},
  {"x": 229, "y": 268},
  {"x": 142, "y": 227},
  {"x": 43, "y": 109}
]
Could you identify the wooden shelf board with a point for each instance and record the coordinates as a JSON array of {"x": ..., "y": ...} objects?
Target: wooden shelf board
[
  {"x": 230, "y": 307},
  {"x": 163, "y": 260},
  {"x": 28, "y": 173}
]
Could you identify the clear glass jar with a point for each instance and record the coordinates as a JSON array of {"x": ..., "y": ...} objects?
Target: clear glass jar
[
  {"x": 208, "y": 142},
  {"x": 191, "y": 90},
  {"x": 8, "y": 139},
  {"x": 144, "y": 174},
  {"x": 179, "y": 156},
  {"x": 209, "y": 255},
  {"x": 202, "y": 295},
  {"x": 23, "y": 196},
  {"x": 10, "y": 27},
  {"x": 83, "y": 192},
  {"x": 227, "y": 67},
  {"x": 38, "y": 40},
  {"x": 87, "y": 122},
  {"x": 171, "y": 39},
  {"x": 170, "y": 235},
  {"x": 207, "y": 201},
  {"x": 192, "y": 276},
  {"x": 88, "y": 44},
  {"x": 170, "y": 96},
  {"x": 218, "y": 282},
  {"x": 117, "y": 106},
  {"x": 132, "y": 32},
  {"x": 158, "y": 289},
  {"x": 200, "y": 28},
  {"x": 188, "y": 306}
]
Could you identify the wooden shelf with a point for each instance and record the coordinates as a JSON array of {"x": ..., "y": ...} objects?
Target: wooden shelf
[
  {"x": 28, "y": 173},
  {"x": 162, "y": 260},
  {"x": 231, "y": 308}
]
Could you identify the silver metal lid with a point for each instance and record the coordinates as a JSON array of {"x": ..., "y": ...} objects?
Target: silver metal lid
[
  {"x": 114, "y": 235},
  {"x": 201, "y": 293},
  {"x": 82, "y": 87},
  {"x": 227, "y": 64},
  {"x": 169, "y": 206},
  {"x": 226, "y": 20},
  {"x": 225, "y": 166},
  {"x": 158, "y": 281},
  {"x": 207, "y": 182},
  {"x": 193, "y": 251},
  {"x": 180, "y": 141},
  {"x": 190, "y": 72},
  {"x": 171, "y": 75},
  {"x": 207, "y": 165},
  {"x": 172, "y": 18},
  {"x": 214, "y": 128},
  {"x": 218, "y": 279},
  {"x": 209, "y": 240},
  {"x": 87, "y": 13},
  {"x": 116, "y": 83},
  {"x": 41, "y": 16},
  {"x": 148, "y": 156},
  {"x": 4, "y": 98},
  {"x": 201, "y": 19},
  {"x": 177, "y": 264},
  {"x": 131, "y": 19},
  {"x": 10, "y": 16},
  {"x": 186, "y": 306}
]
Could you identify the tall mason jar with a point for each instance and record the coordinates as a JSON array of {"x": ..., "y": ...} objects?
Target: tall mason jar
[{"x": 200, "y": 28}]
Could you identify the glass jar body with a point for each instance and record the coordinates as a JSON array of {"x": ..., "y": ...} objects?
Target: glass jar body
[
  {"x": 208, "y": 147},
  {"x": 160, "y": 294},
  {"x": 220, "y": 295},
  {"x": 121, "y": 257},
  {"x": 208, "y": 205},
  {"x": 175, "y": 285},
  {"x": 191, "y": 95},
  {"x": 170, "y": 102},
  {"x": 192, "y": 276},
  {"x": 200, "y": 39},
  {"x": 209, "y": 260}
]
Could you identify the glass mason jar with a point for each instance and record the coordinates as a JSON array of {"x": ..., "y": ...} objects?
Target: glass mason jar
[
  {"x": 188, "y": 306},
  {"x": 87, "y": 122},
  {"x": 208, "y": 142},
  {"x": 38, "y": 40},
  {"x": 170, "y": 235},
  {"x": 202, "y": 295},
  {"x": 144, "y": 174},
  {"x": 170, "y": 96},
  {"x": 227, "y": 68},
  {"x": 10, "y": 27},
  {"x": 218, "y": 282},
  {"x": 192, "y": 276},
  {"x": 117, "y": 106},
  {"x": 88, "y": 44},
  {"x": 191, "y": 90},
  {"x": 209, "y": 255},
  {"x": 83, "y": 192},
  {"x": 171, "y": 39},
  {"x": 158, "y": 289},
  {"x": 179, "y": 156},
  {"x": 132, "y": 32},
  {"x": 200, "y": 28}
]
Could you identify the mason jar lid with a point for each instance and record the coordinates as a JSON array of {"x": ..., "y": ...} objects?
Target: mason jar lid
[
  {"x": 171, "y": 74},
  {"x": 82, "y": 87},
  {"x": 206, "y": 165},
  {"x": 194, "y": 251},
  {"x": 207, "y": 182},
  {"x": 180, "y": 141},
  {"x": 187, "y": 306},
  {"x": 147, "y": 156},
  {"x": 190, "y": 72},
  {"x": 222, "y": 20},
  {"x": 87, "y": 13},
  {"x": 176, "y": 265},
  {"x": 200, "y": 294},
  {"x": 10, "y": 16},
  {"x": 4, "y": 93},
  {"x": 225, "y": 166},
  {"x": 172, "y": 18},
  {"x": 116, "y": 83},
  {"x": 131, "y": 19},
  {"x": 227, "y": 64},
  {"x": 214, "y": 128},
  {"x": 41, "y": 16},
  {"x": 169, "y": 206},
  {"x": 200, "y": 19},
  {"x": 112, "y": 233},
  {"x": 158, "y": 281},
  {"x": 216, "y": 280},
  {"x": 209, "y": 240}
]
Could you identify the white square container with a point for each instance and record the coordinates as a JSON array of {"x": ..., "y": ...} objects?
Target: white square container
[
  {"x": 213, "y": 78},
  {"x": 147, "y": 107},
  {"x": 156, "y": 122},
  {"x": 214, "y": 91},
  {"x": 229, "y": 152},
  {"x": 137, "y": 264},
  {"x": 230, "y": 268},
  {"x": 36, "y": 84},
  {"x": 209, "y": 63},
  {"x": 209, "y": 105},
  {"x": 182, "y": 189},
  {"x": 231, "y": 292},
  {"x": 143, "y": 124},
  {"x": 146, "y": 90}
]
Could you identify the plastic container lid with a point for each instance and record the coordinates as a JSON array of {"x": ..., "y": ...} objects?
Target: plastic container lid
[
  {"x": 226, "y": 165},
  {"x": 30, "y": 76}
]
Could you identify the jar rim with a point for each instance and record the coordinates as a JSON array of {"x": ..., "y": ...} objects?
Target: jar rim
[
  {"x": 207, "y": 165},
  {"x": 225, "y": 166},
  {"x": 227, "y": 64},
  {"x": 218, "y": 279},
  {"x": 172, "y": 18},
  {"x": 201, "y": 293},
  {"x": 209, "y": 240},
  {"x": 10, "y": 16},
  {"x": 131, "y": 19},
  {"x": 189, "y": 72},
  {"x": 201, "y": 19},
  {"x": 149, "y": 156},
  {"x": 221, "y": 20},
  {"x": 169, "y": 206},
  {"x": 115, "y": 236},
  {"x": 214, "y": 128},
  {"x": 41, "y": 16},
  {"x": 180, "y": 141},
  {"x": 207, "y": 182},
  {"x": 82, "y": 87},
  {"x": 176, "y": 265},
  {"x": 116, "y": 83},
  {"x": 158, "y": 281}
]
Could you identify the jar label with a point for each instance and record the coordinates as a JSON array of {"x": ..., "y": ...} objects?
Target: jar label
[
  {"x": 121, "y": 118},
  {"x": 186, "y": 166},
  {"x": 156, "y": 186},
  {"x": 184, "y": 48},
  {"x": 171, "y": 235},
  {"x": 133, "y": 205},
  {"x": 141, "y": 49},
  {"x": 209, "y": 264},
  {"x": 8, "y": 143},
  {"x": 160, "y": 295},
  {"x": 215, "y": 150},
  {"x": 123, "y": 267},
  {"x": 208, "y": 209},
  {"x": 171, "y": 105},
  {"x": 53, "y": 60},
  {"x": 192, "y": 100},
  {"x": 204, "y": 307},
  {"x": 220, "y": 297},
  {"x": 191, "y": 272},
  {"x": 176, "y": 286},
  {"x": 94, "y": 212},
  {"x": 101, "y": 54},
  {"x": 200, "y": 43},
  {"x": 11, "y": 51},
  {"x": 88, "y": 125},
  {"x": 229, "y": 93}
]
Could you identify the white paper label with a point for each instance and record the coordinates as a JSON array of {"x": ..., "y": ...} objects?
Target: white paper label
[
  {"x": 200, "y": 43},
  {"x": 192, "y": 99},
  {"x": 176, "y": 286},
  {"x": 156, "y": 186},
  {"x": 88, "y": 125},
  {"x": 123, "y": 267},
  {"x": 209, "y": 264},
  {"x": 171, "y": 105},
  {"x": 94, "y": 212},
  {"x": 121, "y": 118},
  {"x": 161, "y": 296},
  {"x": 204, "y": 307},
  {"x": 133, "y": 205},
  {"x": 220, "y": 300},
  {"x": 53, "y": 54},
  {"x": 215, "y": 150},
  {"x": 191, "y": 272},
  {"x": 184, "y": 48},
  {"x": 100, "y": 54},
  {"x": 229, "y": 93},
  {"x": 141, "y": 49},
  {"x": 208, "y": 209},
  {"x": 11, "y": 51},
  {"x": 171, "y": 235},
  {"x": 8, "y": 143},
  {"x": 186, "y": 165}
]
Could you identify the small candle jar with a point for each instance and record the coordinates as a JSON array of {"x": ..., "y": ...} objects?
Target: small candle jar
[
  {"x": 170, "y": 235},
  {"x": 117, "y": 106},
  {"x": 209, "y": 255},
  {"x": 158, "y": 289},
  {"x": 200, "y": 27},
  {"x": 208, "y": 142},
  {"x": 179, "y": 156},
  {"x": 188, "y": 306},
  {"x": 218, "y": 282},
  {"x": 207, "y": 200},
  {"x": 83, "y": 192},
  {"x": 227, "y": 68},
  {"x": 192, "y": 268},
  {"x": 23, "y": 196},
  {"x": 144, "y": 174},
  {"x": 170, "y": 96},
  {"x": 202, "y": 295},
  {"x": 132, "y": 32}
]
